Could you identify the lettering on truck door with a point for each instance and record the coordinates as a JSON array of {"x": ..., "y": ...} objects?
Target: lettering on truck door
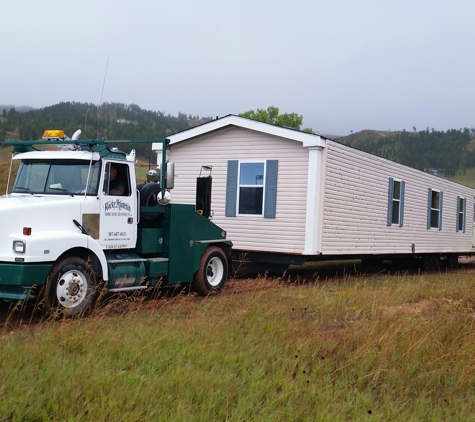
[{"x": 118, "y": 228}]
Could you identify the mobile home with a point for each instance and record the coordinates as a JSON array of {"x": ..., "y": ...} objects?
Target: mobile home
[{"x": 285, "y": 196}]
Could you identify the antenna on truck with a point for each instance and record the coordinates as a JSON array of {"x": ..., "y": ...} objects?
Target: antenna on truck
[{"x": 102, "y": 93}]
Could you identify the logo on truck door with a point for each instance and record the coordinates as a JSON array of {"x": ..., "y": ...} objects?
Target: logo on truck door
[{"x": 117, "y": 207}]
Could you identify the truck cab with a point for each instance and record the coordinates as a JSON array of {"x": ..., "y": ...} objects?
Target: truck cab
[{"x": 76, "y": 220}]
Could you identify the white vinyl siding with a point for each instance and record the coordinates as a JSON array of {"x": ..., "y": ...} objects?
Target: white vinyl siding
[
  {"x": 284, "y": 233},
  {"x": 355, "y": 218}
]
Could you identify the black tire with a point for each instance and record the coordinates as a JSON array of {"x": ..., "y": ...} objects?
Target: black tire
[
  {"x": 431, "y": 262},
  {"x": 149, "y": 198},
  {"x": 139, "y": 186},
  {"x": 452, "y": 261},
  {"x": 371, "y": 264},
  {"x": 70, "y": 287},
  {"x": 212, "y": 273}
]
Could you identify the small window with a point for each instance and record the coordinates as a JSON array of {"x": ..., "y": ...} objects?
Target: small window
[
  {"x": 116, "y": 180},
  {"x": 461, "y": 208},
  {"x": 396, "y": 202},
  {"x": 251, "y": 188},
  {"x": 434, "y": 211}
]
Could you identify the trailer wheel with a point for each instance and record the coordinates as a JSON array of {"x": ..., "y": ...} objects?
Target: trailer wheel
[
  {"x": 149, "y": 198},
  {"x": 431, "y": 262},
  {"x": 70, "y": 287},
  {"x": 452, "y": 261},
  {"x": 212, "y": 273}
]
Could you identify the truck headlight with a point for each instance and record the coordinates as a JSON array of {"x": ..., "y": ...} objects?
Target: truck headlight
[{"x": 19, "y": 246}]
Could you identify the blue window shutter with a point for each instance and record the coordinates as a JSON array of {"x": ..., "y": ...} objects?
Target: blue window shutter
[
  {"x": 464, "y": 213},
  {"x": 428, "y": 208},
  {"x": 271, "y": 189},
  {"x": 390, "y": 201},
  {"x": 231, "y": 188},
  {"x": 440, "y": 209},
  {"x": 401, "y": 206},
  {"x": 457, "y": 228}
]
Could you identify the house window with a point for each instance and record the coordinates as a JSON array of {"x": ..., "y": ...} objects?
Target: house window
[
  {"x": 461, "y": 209},
  {"x": 434, "y": 209},
  {"x": 396, "y": 202},
  {"x": 251, "y": 188}
]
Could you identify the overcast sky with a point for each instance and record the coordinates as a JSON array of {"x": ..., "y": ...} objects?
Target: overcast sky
[{"x": 342, "y": 64}]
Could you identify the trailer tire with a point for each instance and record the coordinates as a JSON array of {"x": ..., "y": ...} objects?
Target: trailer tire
[
  {"x": 149, "y": 198},
  {"x": 452, "y": 261},
  {"x": 212, "y": 272},
  {"x": 70, "y": 287},
  {"x": 431, "y": 262}
]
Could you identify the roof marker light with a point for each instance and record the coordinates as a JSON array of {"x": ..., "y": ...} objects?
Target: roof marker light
[{"x": 53, "y": 135}]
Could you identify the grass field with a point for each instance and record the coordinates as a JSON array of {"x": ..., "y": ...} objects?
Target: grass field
[
  {"x": 467, "y": 179},
  {"x": 372, "y": 348}
]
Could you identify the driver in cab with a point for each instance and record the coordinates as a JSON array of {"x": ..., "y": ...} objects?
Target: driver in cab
[{"x": 116, "y": 186}]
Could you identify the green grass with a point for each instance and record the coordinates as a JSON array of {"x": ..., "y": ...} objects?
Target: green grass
[
  {"x": 467, "y": 178},
  {"x": 380, "y": 348},
  {"x": 141, "y": 169}
]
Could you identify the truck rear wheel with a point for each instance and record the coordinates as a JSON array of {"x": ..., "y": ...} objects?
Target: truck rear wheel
[
  {"x": 213, "y": 271},
  {"x": 70, "y": 287}
]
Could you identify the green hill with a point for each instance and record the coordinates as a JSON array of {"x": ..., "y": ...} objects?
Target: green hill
[
  {"x": 110, "y": 120},
  {"x": 450, "y": 152}
]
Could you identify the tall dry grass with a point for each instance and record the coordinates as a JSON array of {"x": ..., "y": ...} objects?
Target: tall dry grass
[{"x": 381, "y": 348}]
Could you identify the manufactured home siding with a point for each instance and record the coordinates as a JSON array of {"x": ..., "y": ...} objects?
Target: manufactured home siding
[
  {"x": 286, "y": 232},
  {"x": 355, "y": 214}
]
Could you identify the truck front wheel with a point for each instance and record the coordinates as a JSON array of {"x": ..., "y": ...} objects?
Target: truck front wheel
[
  {"x": 213, "y": 271},
  {"x": 70, "y": 287}
]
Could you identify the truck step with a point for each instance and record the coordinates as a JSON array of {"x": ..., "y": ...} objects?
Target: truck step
[
  {"x": 125, "y": 289},
  {"x": 125, "y": 261}
]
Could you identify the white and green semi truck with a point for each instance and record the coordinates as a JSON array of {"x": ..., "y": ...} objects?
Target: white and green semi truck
[{"x": 64, "y": 232}]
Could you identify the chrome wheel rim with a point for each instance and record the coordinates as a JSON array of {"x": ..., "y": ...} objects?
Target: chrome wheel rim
[{"x": 71, "y": 289}]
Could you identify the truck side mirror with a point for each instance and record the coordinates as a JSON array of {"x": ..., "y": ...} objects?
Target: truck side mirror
[{"x": 170, "y": 175}]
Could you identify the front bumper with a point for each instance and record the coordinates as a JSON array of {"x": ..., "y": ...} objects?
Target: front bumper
[{"x": 17, "y": 280}]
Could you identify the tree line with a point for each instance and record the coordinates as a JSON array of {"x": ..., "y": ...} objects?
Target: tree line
[
  {"x": 448, "y": 151},
  {"x": 107, "y": 121}
]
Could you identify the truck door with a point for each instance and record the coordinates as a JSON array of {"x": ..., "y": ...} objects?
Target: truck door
[{"x": 118, "y": 225}]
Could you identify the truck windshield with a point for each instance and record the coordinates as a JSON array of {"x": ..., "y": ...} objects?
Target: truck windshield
[{"x": 61, "y": 177}]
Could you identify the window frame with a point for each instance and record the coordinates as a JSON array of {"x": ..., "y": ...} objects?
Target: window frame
[
  {"x": 123, "y": 169},
  {"x": 430, "y": 210},
  {"x": 392, "y": 200},
  {"x": 262, "y": 186},
  {"x": 271, "y": 188},
  {"x": 461, "y": 211}
]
